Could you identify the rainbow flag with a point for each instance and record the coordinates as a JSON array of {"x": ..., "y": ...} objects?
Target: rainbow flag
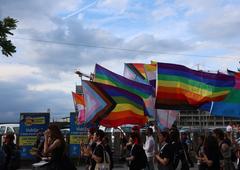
[
  {"x": 179, "y": 87},
  {"x": 230, "y": 106},
  {"x": 79, "y": 104},
  {"x": 112, "y": 106},
  {"x": 145, "y": 91}
]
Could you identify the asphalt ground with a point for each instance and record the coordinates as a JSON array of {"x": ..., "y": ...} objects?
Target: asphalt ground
[{"x": 116, "y": 167}]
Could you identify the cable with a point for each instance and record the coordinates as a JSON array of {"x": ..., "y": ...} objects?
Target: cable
[{"x": 115, "y": 48}]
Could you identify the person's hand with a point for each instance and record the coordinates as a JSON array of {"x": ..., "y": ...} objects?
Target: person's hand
[{"x": 46, "y": 133}]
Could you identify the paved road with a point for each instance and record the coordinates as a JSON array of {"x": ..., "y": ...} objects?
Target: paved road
[{"x": 117, "y": 167}]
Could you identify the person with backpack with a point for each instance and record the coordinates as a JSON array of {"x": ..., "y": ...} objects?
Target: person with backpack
[
  {"x": 165, "y": 156},
  {"x": 137, "y": 157},
  {"x": 225, "y": 150}
]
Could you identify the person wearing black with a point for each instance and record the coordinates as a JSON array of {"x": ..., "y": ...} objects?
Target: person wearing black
[
  {"x": 186, "y": 157},
  {"x": 54, "y": 144},
  {"x": 12, "y": 155},
  {"x": 137, "y": 157},
  {"x": 211, "y": 155},
  {"x": 165, "y": 156},
  {"x": 99, "y": 153},
  {"x": 200, "y": 152},
  {"x": 108, "y": 150}
]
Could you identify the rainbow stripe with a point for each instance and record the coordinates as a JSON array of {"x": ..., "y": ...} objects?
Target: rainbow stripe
[
  {"x": 129, "y": 109},
  {"x": 105, "y": 76},
  {"x": 179, "y": 87},
  {"x": 230, "y": 106}
]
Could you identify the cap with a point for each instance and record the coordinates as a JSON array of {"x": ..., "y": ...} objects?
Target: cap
[{"x": 229, "y": 129}]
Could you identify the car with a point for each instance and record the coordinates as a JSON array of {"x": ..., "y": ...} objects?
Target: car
[{"x": 9, "y": 128}]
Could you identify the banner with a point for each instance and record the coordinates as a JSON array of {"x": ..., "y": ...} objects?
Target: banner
[
  {"x": 78, "y": 133},
  {"x": 30, "y": 124}
]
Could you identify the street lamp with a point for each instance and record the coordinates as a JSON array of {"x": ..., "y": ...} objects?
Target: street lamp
[{"x": 80, "y": 74}]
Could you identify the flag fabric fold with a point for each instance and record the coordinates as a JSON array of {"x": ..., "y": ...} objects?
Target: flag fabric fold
[
  {"x": 230, "y": 106},
  {"x": 135, "y": 72},
  {"x": 112, "y": 106},
  {"x": 104, "y": 76},
  {"x": 166, "y": 118},
  {"x": 79, "y": 104},
  {"x": 179, "y": 87}
]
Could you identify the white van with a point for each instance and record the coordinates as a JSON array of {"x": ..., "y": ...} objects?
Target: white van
[{"x": 9, "y": 128}]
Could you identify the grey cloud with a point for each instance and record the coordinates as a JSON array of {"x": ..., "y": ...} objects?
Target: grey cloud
[
  {"x": 15, "y": 98},
  {"x": 150, "y": 43}
]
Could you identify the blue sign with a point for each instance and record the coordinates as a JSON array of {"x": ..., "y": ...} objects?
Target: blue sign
[
  {"x": 30, "y": 124},
  {"x": 78, "y": 133}
]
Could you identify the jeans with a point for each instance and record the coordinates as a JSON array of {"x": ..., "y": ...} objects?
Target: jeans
[{"x": 150, "y": 165}]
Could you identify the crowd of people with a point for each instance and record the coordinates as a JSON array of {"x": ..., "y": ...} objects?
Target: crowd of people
[{"x": 166, "y": 149}]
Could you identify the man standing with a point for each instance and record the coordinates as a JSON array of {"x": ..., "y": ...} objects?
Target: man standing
[{"x": 149, "y": 147}]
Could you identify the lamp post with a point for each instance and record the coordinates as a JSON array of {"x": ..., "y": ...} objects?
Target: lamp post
[{"x": 80, "y": 74}]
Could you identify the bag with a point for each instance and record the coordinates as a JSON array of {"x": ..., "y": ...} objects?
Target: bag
[{"x": 105, "y": 165}]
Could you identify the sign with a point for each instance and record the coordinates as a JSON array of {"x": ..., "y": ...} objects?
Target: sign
[
  {"x": 78, "y": 133},
  {"x": 30, "y": 124}
]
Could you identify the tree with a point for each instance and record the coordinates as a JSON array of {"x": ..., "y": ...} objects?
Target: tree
[{"x": 6, "y": 25}]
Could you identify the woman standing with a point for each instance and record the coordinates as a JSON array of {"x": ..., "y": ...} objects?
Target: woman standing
[
  {"x": 137, "y": 158},
  {"x": 211, "y": 155},
  {"x": 12, "y": 155},
  {"x": 200, "y": 153},
  {"x": 165, "y": 155},
  {"x": 54, "y": 145}
]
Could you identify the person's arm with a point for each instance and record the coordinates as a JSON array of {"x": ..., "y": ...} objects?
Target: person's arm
[
  {"x": 49, "y": 148},
  {"x": 98, "y": 159},
  {"x": 130, "y": 158},
  {"x": 162, "y": 161},
  {"x": 207, "y": 161}
]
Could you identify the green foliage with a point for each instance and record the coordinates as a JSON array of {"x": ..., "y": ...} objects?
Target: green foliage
[{"x": 6, "y": 25}]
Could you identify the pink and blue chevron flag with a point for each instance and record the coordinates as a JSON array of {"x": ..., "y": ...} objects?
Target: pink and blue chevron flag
[
  {"x": 105, "y": 76},
  {"x": 166, "y": 118}
]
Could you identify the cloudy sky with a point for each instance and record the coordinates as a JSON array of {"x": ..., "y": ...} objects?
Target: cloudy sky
[{"x": 54, "y": 38}]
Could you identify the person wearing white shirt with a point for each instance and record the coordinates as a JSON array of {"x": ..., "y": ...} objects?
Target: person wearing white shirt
[{"x": 149, "y": 147}]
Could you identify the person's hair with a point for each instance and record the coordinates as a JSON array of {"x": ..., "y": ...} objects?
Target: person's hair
[
  {"x": 211, "y": 144},
  {"x": 219, "y": 133},
  {"x": 100, "y": 134},
  {"x": 105, "y": 140},
  {"x": 10, "y": 136},
  {"x": 150, "y": 130},
  {"x": 135, "y": 137},
  {"x": 202, "y": 137},
  {"x": 165, "y": 134},
  {"x": 92, "y": 130},
  {"x": 55, "y": 132},
  {"x": 174, "y": 135}
]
